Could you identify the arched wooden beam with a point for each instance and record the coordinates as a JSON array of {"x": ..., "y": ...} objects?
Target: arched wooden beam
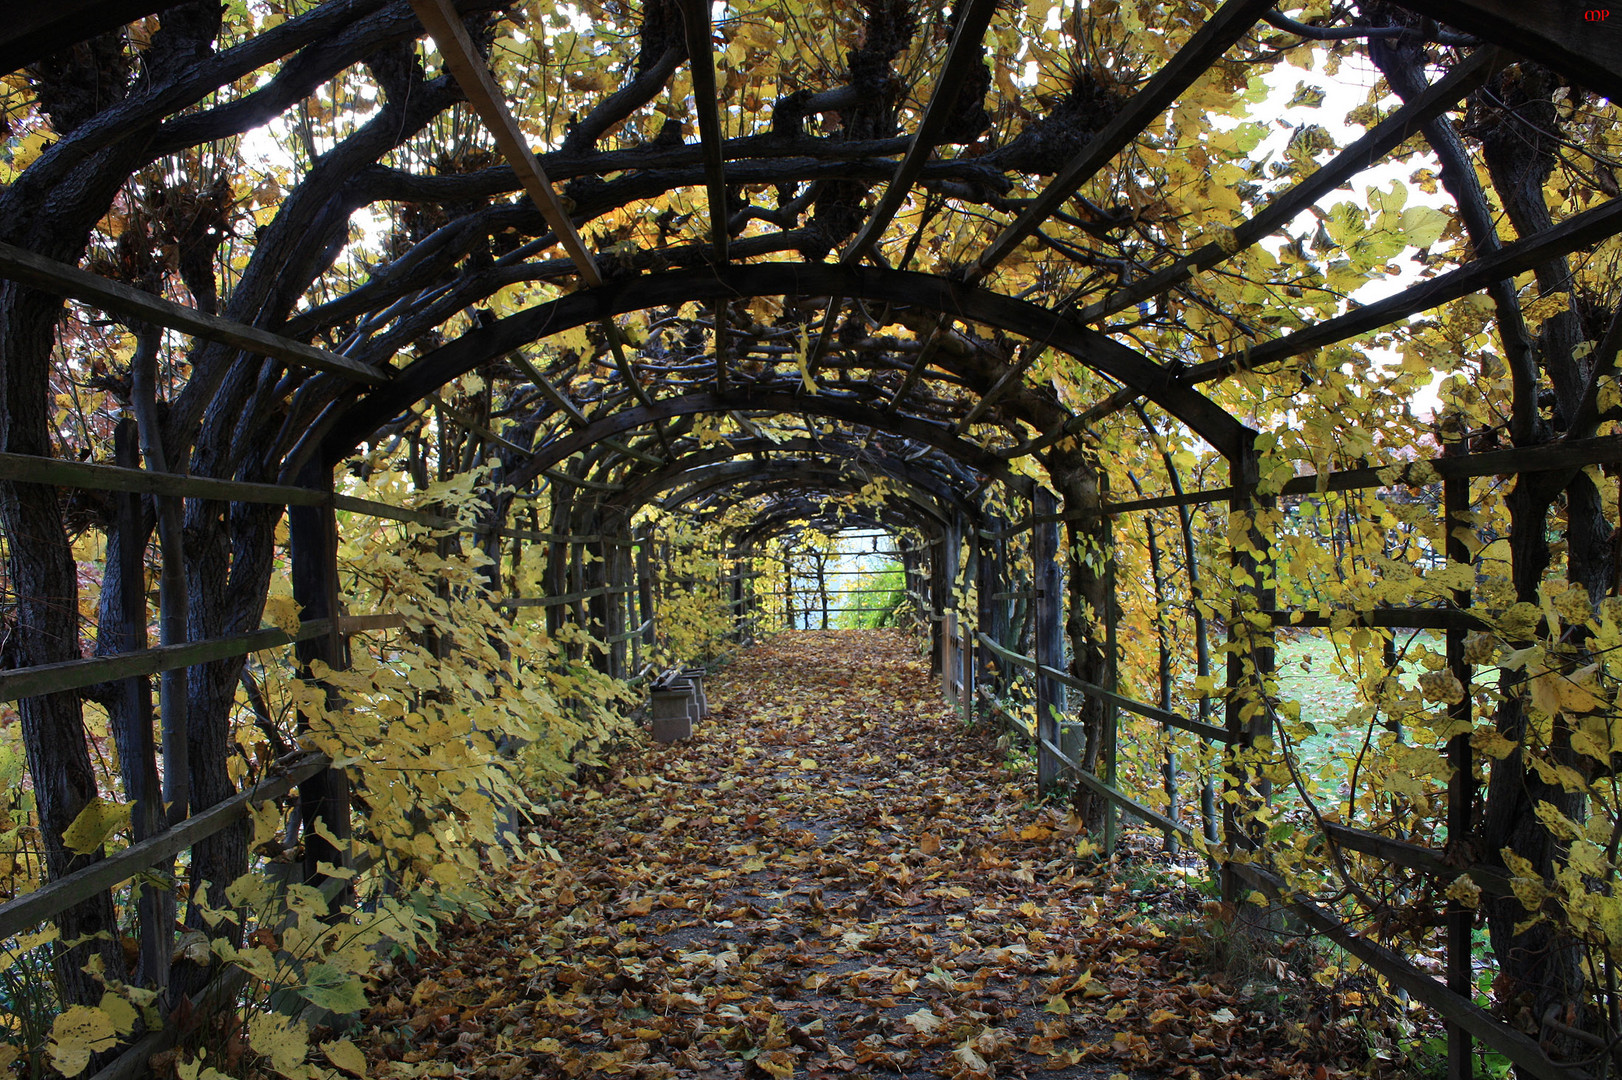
[
  {"x": 775, "y": 400},
  {"x": 776, "y": 522},
  {"x": 745, "y": 475},
  {"x": 640, "y": 489},
  {"x": 345, "y": 428}
]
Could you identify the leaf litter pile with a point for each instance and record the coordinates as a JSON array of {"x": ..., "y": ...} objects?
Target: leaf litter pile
[{"x": 834, "y": 877}]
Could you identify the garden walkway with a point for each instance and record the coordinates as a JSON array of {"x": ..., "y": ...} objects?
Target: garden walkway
[{"x": 833, "y": 878}]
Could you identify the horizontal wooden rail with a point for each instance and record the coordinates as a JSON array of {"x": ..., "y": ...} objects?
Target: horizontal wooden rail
[
  {"x": 1118, "y": 797},
  {"x": 1605, "y": 449},
  {"x": 1549, "y": 457},
  {"x": 30, "y": 469},
  {"x": 1426, "y": 860},
  {"x": 1209, "y": 732},
  {"x": 629, "y": 634},
  {"x": 78, "y": 674},
  {"x": 39, "y": 905},
  {"x": 222, "y": 992},
  {"x": 1379, "y": 618},
  {"x": 1518, "y": 1047},
  {"x": 567, "y": 598},
  {"x": 1002, "y": 710},
  {"x": 363, "y": 624},
  {"x": 90, "y": 476},
  {"x": 51, "y": 276}
]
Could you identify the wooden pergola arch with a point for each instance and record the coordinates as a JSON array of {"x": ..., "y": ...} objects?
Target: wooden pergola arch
[{"x": 951, "y": 404}]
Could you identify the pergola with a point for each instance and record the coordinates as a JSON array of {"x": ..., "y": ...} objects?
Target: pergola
[{"x": 675, "y": 262}]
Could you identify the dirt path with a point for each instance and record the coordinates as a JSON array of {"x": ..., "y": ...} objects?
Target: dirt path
[{"x": 832, "y": 878}]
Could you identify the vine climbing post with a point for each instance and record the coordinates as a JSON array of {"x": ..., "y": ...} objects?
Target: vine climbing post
[
  {"x": 1111, "y": 725},
  {"x": 1250, "y": 665},
  {"x": 324, "y": 800},
  {"x": 988, "y": 608},
  {"x": 951, "y": 543},
  {"x": 644, "y": 589},
  {"x": 1047, "y": 606},
  {"x": 1461, "y": 790}
]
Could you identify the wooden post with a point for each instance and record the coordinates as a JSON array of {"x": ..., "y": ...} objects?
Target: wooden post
[
  {"x": 155, "y": 907},
  {"x": 987, "y": 622},
  {"x": 324, "y": 800},
  {"x": 617, "y": 577},
  {"x": 1461, "y": 788},
  {"x": 937, "y": 605},
  {"x": 947, "y": 565},
  {"x": 1112, "y": 715},
  {"x": 594, "y": 560},
  {"x": 969, "y": 540},
  {"x": 740, "y": 598},
  {"x": 1047, "y": 607},
  {"x": 1246, "y": 721},
  {"x": 644, "y": 587}
]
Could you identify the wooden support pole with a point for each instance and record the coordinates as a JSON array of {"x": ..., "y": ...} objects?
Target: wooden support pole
[
  {"x": 1048, "y": 611},
  {"x": 324, "y": 799},
  {"x": 155, "y": 908},
  {"x": 1250, "y": 663},
  {"x": 644, "y": 589},
  {"x": 1112, "y": 673},
  {"x": 1461, "y": 788},
  {"x": 950, "y": 553}
]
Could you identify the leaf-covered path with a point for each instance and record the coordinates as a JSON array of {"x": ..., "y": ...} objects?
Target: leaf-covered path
[{"x": 834, "y": 877}]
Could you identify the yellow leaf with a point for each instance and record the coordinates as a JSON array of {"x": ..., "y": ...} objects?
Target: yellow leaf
[
  {"x": 346, "y": 1056},
  {"x": 94, "y": 824},
  {"x": 119, "y": 1011},
  {"x": 282, "y": 613},
  {"x": 281, "y": 1040},
  {"x": 267, "y": 823},
  {"x": 78, "y": 1033}
]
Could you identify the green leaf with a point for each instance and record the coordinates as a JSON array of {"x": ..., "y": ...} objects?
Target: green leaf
[
  {"x": 333, "y": 988},
  {"x": 1422, "y": 226}
]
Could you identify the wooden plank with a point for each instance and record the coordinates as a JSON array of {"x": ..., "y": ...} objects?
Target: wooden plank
[
  {"x": 467, "y": 67},
  {"x": 1206, "y": 731},
  {"x": 78, "y": 674},
  {"x": 34, "y": 31},
  {"x": 961, "y": 57},
  {"x": 567, "y": 598},
  {"x": 222, "y": 992},
  {"x": 29, "y": 469},
  {"x": 1578, "y": 38},
  {"x": 1548, "y": 457},
  {"x": 1426, "y": 860},
  {"x": 1383, "y": 618},
  {"x": 1002, "y": 710},
  {"x": 33, "y": 908},
  {"x": 361, "y": 624},
  {"x": 630, "y": 634},
  {"x": 701, "y": 61},
  {"x": 1226, "y": 26},
  {"x": 1007, "y": 654},
  {"x": 1209, "y": 732},
  {"x": 1576, "y": 232},
  {"x": 1518, "y": 1047},
  {"x": 1380, "y": 140},
  {"x": 1120, "y": 798},
  {"x": 51, "y": 276}
]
